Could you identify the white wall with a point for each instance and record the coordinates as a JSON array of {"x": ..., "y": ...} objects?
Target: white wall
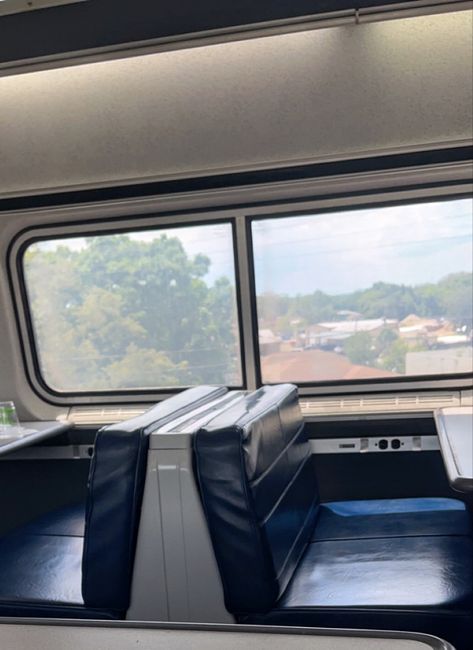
[{"x": 304, "y": 97}]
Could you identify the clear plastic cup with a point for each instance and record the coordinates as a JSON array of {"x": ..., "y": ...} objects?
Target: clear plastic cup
[{"x": 9, "y": 423}]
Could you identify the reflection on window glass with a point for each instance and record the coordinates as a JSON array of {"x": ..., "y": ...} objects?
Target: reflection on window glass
[
  {"x": 365, "y": 294},
  {"x": 149, "y": 309}
]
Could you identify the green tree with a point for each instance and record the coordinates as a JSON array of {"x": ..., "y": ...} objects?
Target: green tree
[
  {"x": 385, "y": 338},
  {"x": 455, "y": 298},
  {"x": 121, "y": 310},
  {"x": 394, "y": 359},
  {"x": 145, "y": 368},
  {"x": 360, "y": 349}
]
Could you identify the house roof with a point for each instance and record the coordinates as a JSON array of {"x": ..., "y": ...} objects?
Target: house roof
[
  {"x": 354, "y": 326},
  {"x": 315, "y": 365}
]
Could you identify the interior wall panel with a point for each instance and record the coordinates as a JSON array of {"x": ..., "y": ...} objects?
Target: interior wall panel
[{"x": 327, "y": 94}]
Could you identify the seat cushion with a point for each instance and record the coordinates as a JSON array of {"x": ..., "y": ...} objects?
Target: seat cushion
[
  {"x": 257, "y": 482},
  {"x": 69, "y": 521},
  {"x": 391, "y": 518},
  {"x": 414, "y": 583},
  {"x": 41, "y": 576},
  {"x": 116, "y": 483}
]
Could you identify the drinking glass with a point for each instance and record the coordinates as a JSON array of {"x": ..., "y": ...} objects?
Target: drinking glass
[{"x": 9, "y": 424}]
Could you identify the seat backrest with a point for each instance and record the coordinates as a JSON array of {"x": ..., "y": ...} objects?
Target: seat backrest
[
  {"x": 259, "y": 492},
  {"x": 115, "y": 490}
]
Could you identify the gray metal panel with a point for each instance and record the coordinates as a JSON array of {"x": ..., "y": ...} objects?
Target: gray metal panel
[
  {"x": 32, "y": 432},
  {"x": 370, "y": 444},
  {"x": 455, "y": 432},
  {"x": 332, "y": 93},
  {"x": 175, "y": 574},
  {"x": 57, "y": 635},
  {"x": 148, "y": 590}
]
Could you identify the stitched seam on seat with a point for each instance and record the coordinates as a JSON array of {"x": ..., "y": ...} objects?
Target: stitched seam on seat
[
  {"x": 250, "y": 415},
  {"x": 256, "y": 481},
  {"x": 329, "y": 505},
  {"x": 285, "y": 489},
  {"x": 56, "y": 535},
  {"x": 360, "y": 539},
  {"x": 260, "y": 535},
  {"x": 88, "y": 517},
  {"x": 429, "y": 610},
  {"x": 135, "y": 517},
  {"x": 243, "y": 485},
  {"x": 297, "y": 538},
  {"x": 315, "y": 540},
  {"x": 206, "y": 512}
]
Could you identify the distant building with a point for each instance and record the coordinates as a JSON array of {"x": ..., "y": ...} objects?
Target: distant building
[
  {"x": 453, "y": 339},
  {"x": 333, "y": 333},
  {"x": 268, "y": 342},
  {"x": 354, "y": 326},
  {"x": 439, "y": 362},
  {"x": 432, "y": 331},
  {"x": 413, "y": 321},
  {"x": 413, "y": 327},
  {"x": 346, "y": 314}
]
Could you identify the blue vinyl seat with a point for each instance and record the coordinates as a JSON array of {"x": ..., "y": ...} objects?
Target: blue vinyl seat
[
  {"x": 77, "y": 562},
  {"x": 340, "y": 520},
  {"x": 285, "y": 559},
  {"x": 68, "y": 521}
]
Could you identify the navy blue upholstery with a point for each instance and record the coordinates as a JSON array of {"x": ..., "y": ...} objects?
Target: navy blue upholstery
[
  {"x": 259, "y": 492},
  {"x": 40, "y": 576},
  {"x": 421, "y": 584},
  {"x": 116, "y": 482},
  {"x": 69, "y": 521},
  {"x": 410, "y": 568},
  {"x": 392, "y": 518},
  {"x": 77, "y": 562}
]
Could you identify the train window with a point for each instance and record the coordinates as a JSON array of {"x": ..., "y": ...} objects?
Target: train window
[
  {"x": 370, "y": 294},
  {"x": 142, "y": 310}
]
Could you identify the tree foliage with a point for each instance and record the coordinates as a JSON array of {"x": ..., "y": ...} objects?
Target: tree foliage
[
  {"x": 125, "y": 313},
  {"x": 360, "y": 349},
  {"x": 120, "y": 313},
  {"x": 450, "y": 298}
]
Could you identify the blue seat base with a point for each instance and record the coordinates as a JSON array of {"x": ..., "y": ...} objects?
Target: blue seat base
[
  {"x": 421, "y": 584},
  {"x": 40, "y": 569},
  {"x": 69, "y": 521},
  {"x": 391, "y": 518}
]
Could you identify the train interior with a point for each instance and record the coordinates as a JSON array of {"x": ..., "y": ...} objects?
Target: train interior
[{"x": 236, "y": 323}]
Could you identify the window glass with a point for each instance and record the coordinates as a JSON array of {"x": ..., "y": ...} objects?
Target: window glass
[
  {"x": 365, "y": 294},
  {"x": 149, "y": 309}
]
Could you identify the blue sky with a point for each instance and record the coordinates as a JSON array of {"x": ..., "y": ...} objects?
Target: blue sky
[
  {"x": 338, "y": 252},
  {"x": 345, "y": 251},
  {"x": 215, "y": 241}
]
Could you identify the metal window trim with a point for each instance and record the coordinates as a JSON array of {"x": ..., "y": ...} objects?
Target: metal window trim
[
  {"x": 263, "y": 166},
  {"x": 398, "y": 11},
  {"x": 437, "y": 177},
  {"x": 23, "y": 312},
  {"x": 356, "y": 386}
]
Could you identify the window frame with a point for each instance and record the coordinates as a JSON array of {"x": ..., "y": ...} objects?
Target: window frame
[
  {"x": 239, "y": 206},
  {"x": 380, "y": 381},
  {"x": 33, "y": 362}
]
